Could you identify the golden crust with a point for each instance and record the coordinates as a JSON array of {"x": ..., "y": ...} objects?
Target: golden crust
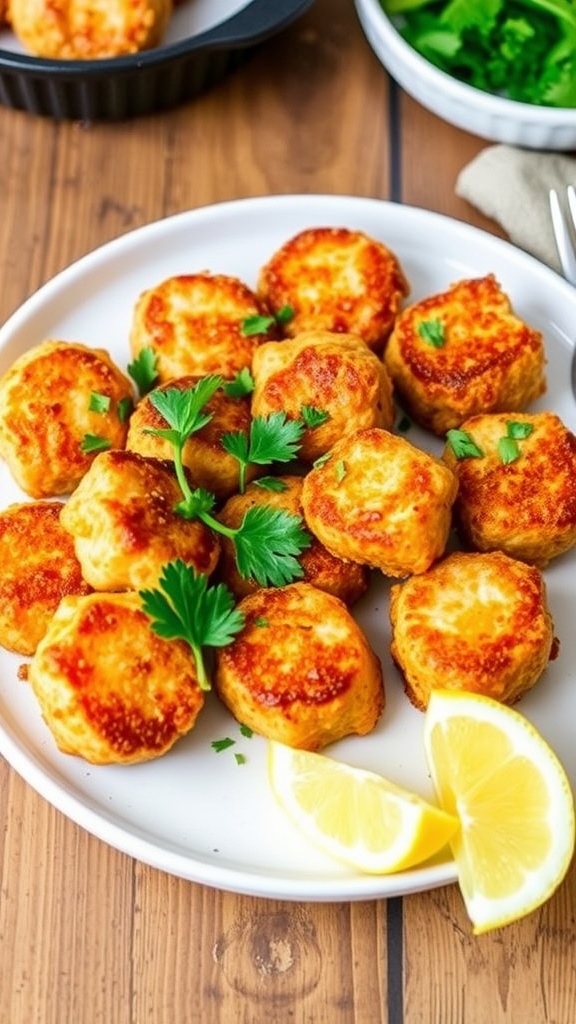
[
  {"x": 380, "y": 501},
  {"x": 335, "y": 279},
  {"x": 335, "y": 373},
  {"x": 111, "y": 690},
  {"x": 45, "y": 414},
  {"x": 345, "y": 580},
  {"x": 82, "y": 30},
  {"x": 475, "y": 622},
  {"x": 209, "y": 464},
  {"x": 488, "y": 361},
  {"x": 38, "y": 567},
  {"x": 195, "y": 325},
  {"x": 526, "y": 508},
  {"x": 301, "y": 671},
  {"x": 122, "y": 519}
]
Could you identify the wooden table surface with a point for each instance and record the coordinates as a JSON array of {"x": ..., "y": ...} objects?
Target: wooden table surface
[{"x": 87, "y": 934}]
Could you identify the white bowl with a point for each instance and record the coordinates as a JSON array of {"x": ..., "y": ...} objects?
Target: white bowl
[{"x": 481, "y": 113}]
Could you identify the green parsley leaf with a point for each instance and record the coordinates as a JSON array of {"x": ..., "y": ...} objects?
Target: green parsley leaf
[
  {"x": 257, "y": 324},
  {"x": 518, "y": 429},
  {"x": 125, "y": 409},
  {"x": 285, "y": 314},
  {"x": 321, "y": 460},
  {"x": 240, "y": 758},
  {"x": 432, "y": 332},
  {"x": 272, "y": 438},
  {"x": 340, "y": 470},
  {"x": 99, "y": 403},
  {"x": 261, "y": 621},
  {"x": 267, "y": 544},
  {"x": 271, "y": 483},
  {"x": 314, "y": 417},
  {"x": 185, "y": 607},
  {"x": 183, "y": 409},
  {"x": 463, "y": 445},
  {"x": 94, "y": 443},
  {"x": 223, "y": 744},
  {"x": 242, "y": 385},
  {"x": 268, "y": 540},
  {"x": 246, "y": 731},
  {"x": 144, "y": 370},
  {"x": 508, "y": 450}
]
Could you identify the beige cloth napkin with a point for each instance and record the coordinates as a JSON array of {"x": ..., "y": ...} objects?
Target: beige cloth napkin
[{"x": 511, "y": 186}]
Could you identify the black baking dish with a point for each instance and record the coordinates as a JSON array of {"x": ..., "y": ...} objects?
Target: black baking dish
[{"x": 131, "y": 86}]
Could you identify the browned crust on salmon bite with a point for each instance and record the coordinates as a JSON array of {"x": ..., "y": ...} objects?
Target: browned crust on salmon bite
[
  {"x": 381, "y": 501},
  {"x": 525, "y": 507},
  {"x": 110, "y": 689},
  {"x": 38, "y": 567},
  {"x": 301, "y": 671},
  {"x": 195, "y": 324},
  {"x": 45, "y": 414},
  {"x": 334, "y": 373},
  {"x": 486, "y": 358},
  {"x": 335, "y": 279},
  {"x": 124, "y": 525},
  {"x": 477, "y": 622}
]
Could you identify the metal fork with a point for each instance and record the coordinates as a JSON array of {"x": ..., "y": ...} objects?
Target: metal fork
[{"x": 564, "y": 227}]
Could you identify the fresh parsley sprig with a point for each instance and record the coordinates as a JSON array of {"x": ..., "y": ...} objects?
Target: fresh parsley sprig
[
  {"x": 144, "y": 370},
  {"x": 272, "y": 438},
  {"x": 268, "y": 541},
  {"x": 266, "y": 544},
  {"x": 183, "y": 410},
  {"x": 463, "y": 444},
  {"x": 185, "y": 607},
  {"x": 261, "y": 324}
]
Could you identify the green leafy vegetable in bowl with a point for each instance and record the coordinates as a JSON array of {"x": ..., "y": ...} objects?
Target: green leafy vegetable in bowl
[{"x": 523, "y": 50}]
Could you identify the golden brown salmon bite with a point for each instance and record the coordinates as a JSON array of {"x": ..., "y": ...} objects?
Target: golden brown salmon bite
[
  {"x": 200, "y": 324},
  {"x": 333, "y": 381},
  {"x": 477, "y": 622},
  {"x": 301, "y": 671},
  {"x": 335, "y": 279},
  {"x": 464, "y": 351},
  {"x": 518, "y": 492}
]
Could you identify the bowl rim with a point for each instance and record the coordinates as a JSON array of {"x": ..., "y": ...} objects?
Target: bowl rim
[
  {"x": 251, "y": 24},
  {"x": 491, "y": 103}
]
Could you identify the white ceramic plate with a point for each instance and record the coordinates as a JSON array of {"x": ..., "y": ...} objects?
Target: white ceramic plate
[{"x": 196, "y": 813}]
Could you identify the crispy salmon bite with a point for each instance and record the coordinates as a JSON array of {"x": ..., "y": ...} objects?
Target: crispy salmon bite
[
  {"x": 122, "y": 520},
  {"x": 477, "y": 622},
  {"x": 301, "y": 671},
  {"x": 517, "y": 484},
  {"x": 345, "y": 580},
  {"x": 336, "y": 374},
  {"x": 380, "y": 501},
  {"x": 38, "y": 567},
  {"x": 210, "y": 465},
  {"x": 335, "y": 279},
  {"x": 60, "y": 403},
  {"x": 464, "y": 352},
  {"x": 198, "y": 324},
  {"x": 110, "y": 690},
  {"x": 87, "y": 29}
]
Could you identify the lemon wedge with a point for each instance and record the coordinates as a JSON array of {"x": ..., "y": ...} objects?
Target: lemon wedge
[
  {"x": 493, "y": 770},
  {"x": 354, "y": 815}
]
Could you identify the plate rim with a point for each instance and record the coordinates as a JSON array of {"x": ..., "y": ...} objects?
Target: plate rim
[{"x": 125, "y": 838}]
